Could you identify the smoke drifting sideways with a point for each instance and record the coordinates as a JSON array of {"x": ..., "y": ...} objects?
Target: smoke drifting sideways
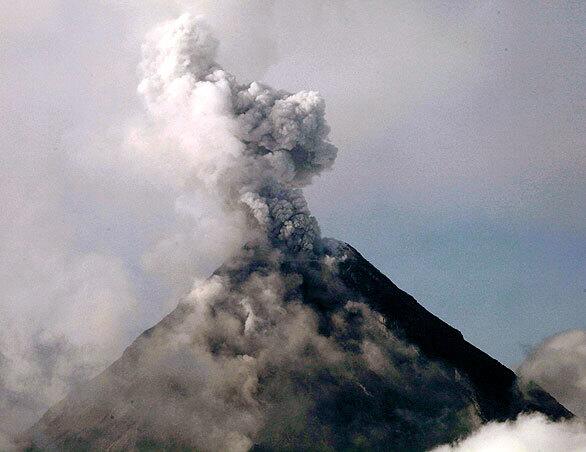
[
  {"x": 558, "y": 365},
  {"x": 251, "y": 146}
]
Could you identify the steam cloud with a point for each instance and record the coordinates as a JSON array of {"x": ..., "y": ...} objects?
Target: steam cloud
[{"x": 558, "y": 365}]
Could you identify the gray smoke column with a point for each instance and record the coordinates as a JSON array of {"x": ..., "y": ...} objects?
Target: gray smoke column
[{"x": 252, "y": 146}]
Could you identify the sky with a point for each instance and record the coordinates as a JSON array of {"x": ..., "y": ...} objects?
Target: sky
[{"x": 460, "y": 172}]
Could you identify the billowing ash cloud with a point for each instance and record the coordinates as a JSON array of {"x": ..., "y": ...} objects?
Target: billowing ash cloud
[
  {"x": 558, "y": 365},
  {"x": 252, "y": 146}
]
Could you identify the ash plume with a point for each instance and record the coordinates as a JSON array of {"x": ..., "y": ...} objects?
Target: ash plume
[{"x": 251, "y": 146}]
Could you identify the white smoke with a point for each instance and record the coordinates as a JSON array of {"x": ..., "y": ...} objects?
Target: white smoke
[
  {"x": 64, "y": 313},
  {"x": 529, "y": 433},
  {"x": 43, "y": 351},
  {"x": 558, "y": 365}
]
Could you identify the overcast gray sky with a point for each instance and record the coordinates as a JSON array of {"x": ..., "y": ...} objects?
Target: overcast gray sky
[{"x": 461, "y": 170}]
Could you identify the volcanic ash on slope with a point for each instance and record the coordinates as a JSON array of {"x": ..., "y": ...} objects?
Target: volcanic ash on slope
[{"x": 273, "y": 353}]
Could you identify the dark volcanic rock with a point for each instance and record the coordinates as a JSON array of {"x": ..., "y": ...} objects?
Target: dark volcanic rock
[
  {"x": 437, "y": 387},
  {"x": 495, "y": 385}
]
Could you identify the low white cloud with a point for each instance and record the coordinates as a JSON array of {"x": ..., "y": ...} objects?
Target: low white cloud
[
  {"x": 558, "y": 365},
  {"x": 529, "y": 433}
]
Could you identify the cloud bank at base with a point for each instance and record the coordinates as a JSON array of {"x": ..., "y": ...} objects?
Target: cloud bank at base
[{"x": 529, "y": 433}]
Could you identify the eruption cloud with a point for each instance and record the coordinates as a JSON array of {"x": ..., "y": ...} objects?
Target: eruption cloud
[{"x": 251, "y": 146}]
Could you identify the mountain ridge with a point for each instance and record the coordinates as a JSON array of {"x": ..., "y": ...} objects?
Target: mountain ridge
[
  {"x": 459, "y": 382},
  {"x": 428, "y": 343}
]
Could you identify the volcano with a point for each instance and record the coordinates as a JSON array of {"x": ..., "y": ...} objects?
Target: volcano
[
  {"x": 296, "y": 342},
  {"x": 305, "y": 353}
]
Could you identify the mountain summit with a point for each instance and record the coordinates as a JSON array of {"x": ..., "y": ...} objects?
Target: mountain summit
[{"x": 278, "y": 353}]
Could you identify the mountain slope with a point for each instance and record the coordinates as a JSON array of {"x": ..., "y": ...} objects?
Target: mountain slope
[
  {"x": 292, "y": 353},
  {"x": 495, "y": 385}
]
